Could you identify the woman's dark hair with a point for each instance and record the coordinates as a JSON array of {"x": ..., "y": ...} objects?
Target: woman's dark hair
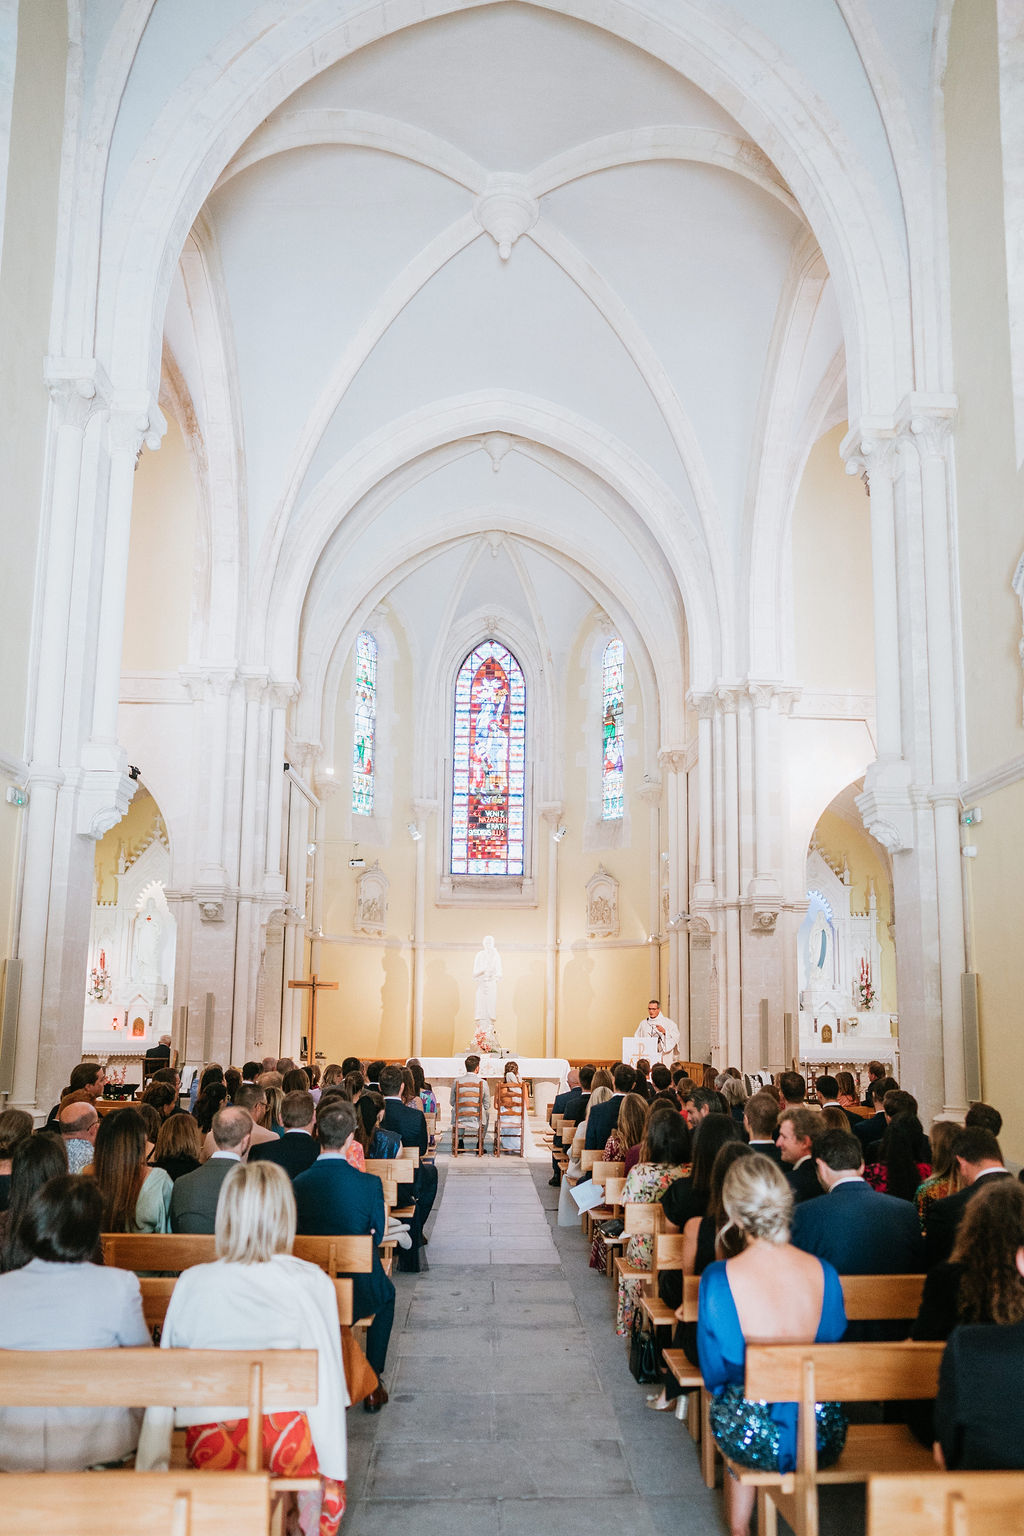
[
  {"x": 408, "y": 1085},
  {"x": 727, "y": 1154},
  {"x": 232, "y": 1081},
  {"x": 120, "y": 1169},
  {"x": 988, "y": 1239},
  {"x": 667, "y": 1139},
  {"x": 151, "y": 1120},
  {"x": 903, "y": 1148},
  {"x": 15, "y": 1126},
  {"x": 713, "y": 1133},
  {"x": 846, "y": 1083},
  {"x": 368, "y": 1108},
  {"x": 353, "y": 1084},
  {"x": 351, "y": 1064},
  {"x": 418, "y": 1076},
  {"x": 212, "y": 1098},
  {"x": 34, "y": 1162},
  {"x": 312, "y": 1072},
  {"x": 63, "y": 1221},
  {"x": 161, "y": 1096},
  {"x": 211, "y": 1074},
  {"x": 295, "y": 1081}
]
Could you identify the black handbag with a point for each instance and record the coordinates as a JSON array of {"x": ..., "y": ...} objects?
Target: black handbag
[{"x": 643, "y": 1353}]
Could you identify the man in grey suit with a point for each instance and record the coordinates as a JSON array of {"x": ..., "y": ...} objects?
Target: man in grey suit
[{"x": 194, "y": 1197}]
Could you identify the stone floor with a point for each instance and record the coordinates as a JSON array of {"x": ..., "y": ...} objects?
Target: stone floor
[{"x": 512, "y": 1409}]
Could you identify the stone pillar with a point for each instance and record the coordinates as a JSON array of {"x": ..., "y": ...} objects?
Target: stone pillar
[
  {"x": 729, "y": 888},
  {"x": 551, "y": 816},
  {"x": 423, "y": 810},
  {"x": 671, "y": 791}
]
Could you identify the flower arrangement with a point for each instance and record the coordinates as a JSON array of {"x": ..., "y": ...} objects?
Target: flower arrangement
[
  {"x": 865, "y": 989},
  {"x": 485, "y": 1042}
]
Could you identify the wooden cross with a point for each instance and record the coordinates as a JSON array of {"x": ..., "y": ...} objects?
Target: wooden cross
[{"x": 313, "y": 985}]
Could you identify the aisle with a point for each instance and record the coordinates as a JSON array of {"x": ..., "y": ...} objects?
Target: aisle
[{"x": 512, "y": 1410}]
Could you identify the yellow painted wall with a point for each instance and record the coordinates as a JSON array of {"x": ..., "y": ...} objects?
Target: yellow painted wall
[
  {"x": 161, "y": 559},
  {"x": 603, "y": 990},
  {"x": 833, "y": 634},
  {"x": 866, "y": 863},
  {"x": 26, "y": 282},
  {"x": 130, "y": 836},
  {"x": 990, "y": 497}
]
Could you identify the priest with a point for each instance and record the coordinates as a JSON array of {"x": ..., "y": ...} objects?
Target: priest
[{"x": 657, "y": 1035}]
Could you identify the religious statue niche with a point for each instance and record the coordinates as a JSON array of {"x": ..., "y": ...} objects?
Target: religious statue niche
[
  {"x": 612, "y": 730},
  {"x": 372, "y": 901},
  {"x": 602, "y": 905},
  {"x": 826, "y": 1034},
  {"x": 489, "y": 764},
  {"x": 487, "y": 972}
]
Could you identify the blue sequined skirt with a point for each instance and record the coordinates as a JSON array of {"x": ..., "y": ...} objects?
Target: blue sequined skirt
[{"x": 763, "y": 1435}]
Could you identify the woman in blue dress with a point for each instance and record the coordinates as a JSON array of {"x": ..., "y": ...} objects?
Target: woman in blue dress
[{"x": 771, "y": 1292}]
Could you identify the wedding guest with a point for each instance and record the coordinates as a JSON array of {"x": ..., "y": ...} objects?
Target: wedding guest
[
  {"x": 62, "y": 1299},
  {"x": 295, "y": 1081},
  {"x": 137, "y": 1198},
  {"x": 15, "y": 1125},
  {"x": 979, "y": 1160},
  {"x": 980, "y": 1281},
  {"x": 151, "y": 1123},
  {"x": 664, "y": 1152},
  {"x": 944, "y": 1178},
  {"x": 375, "y": 1141},
  {"x": 211, "y": 1099},
  {"x": 904, "y": 1159},
  {"x": 36, "y": 1160},
  {"x": 179, "y": 1146},
  {"x": 846, "y": 1094},
  {"x": 79, "y": 1124},
  {"x": 689, "y": 1196},
  {"x": 410, "y": 1093},
  {"x": 629, "y": 1129}
]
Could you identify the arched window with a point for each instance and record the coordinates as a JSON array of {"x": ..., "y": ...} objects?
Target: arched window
[
  {"x": 363, "y": 743},
  {"x": 612, "y": 733},
  {"x": 489, "y": 756}
]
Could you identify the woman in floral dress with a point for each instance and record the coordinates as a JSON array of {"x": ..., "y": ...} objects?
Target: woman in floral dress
[{"x": 663, "y": 1156}]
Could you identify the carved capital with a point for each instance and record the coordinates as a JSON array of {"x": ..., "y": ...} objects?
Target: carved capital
[
  {"x": 703, "y": 703},
  {"x": 886, "y": 806},
  {"x": 103, "y": 797},
  {"x": 255, "y": 681},
  {"x": 282, "y": 691}
]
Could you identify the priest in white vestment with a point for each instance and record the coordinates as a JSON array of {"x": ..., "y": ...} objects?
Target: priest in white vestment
[{"x": 657, "y": 1035}]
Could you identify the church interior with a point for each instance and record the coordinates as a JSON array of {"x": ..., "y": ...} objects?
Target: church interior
[{"x": 666, "y": 363}]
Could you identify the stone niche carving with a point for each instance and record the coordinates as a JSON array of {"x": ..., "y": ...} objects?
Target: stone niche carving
[
  {"x": 602, "y": 905},
  {"x": 372, "y": 901}
]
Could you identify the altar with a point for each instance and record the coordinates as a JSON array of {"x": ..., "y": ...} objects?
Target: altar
[{"x": 549, "y": 1074}]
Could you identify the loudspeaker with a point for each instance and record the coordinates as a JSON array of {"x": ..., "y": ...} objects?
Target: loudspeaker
[
  {"x": 208, "y": 1029},
  {"x": 10, "y": 992},
  {"x": 788, "y": 1042},
  {"x": 765, "y": 1043}
]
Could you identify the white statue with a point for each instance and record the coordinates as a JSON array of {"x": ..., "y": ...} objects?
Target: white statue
[
  {"x": 486, "y": 974},
  {"x": 149, "y": 943}
]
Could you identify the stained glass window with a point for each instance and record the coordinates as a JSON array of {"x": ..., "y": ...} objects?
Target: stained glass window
[
  {"x": 489, "y": 773},
  {"x": 363, "y": 744},
  {"x": 612, "y": 736}
]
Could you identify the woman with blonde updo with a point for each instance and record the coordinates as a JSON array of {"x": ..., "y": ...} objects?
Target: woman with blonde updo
[{"x": 774, "y": 1293}]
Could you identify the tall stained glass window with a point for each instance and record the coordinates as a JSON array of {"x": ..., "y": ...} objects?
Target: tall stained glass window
[
  {"x": 364, "y": 733},
  {"x": 612, "y": 734},
  {"x": 489, "y": 776}
]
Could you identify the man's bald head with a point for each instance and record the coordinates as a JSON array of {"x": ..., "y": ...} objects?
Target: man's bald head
[
  {"x": 232, "y": 1128},
  {"x": 78, "y": 1120}
]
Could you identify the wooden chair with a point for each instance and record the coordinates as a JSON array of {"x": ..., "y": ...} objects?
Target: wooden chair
[
  {"x": 157, "y": 1289},
  {"x": 946, "y": 1504},
  {"x": 510, "y": 1117},
  {"x": 601, "y": 1172},
  {"x": 171, "y": 1252},
  {"x": 853, "y": 1373},
  {"x": 469, "y": 1103},
  {"x": 159, "y": 1503}
]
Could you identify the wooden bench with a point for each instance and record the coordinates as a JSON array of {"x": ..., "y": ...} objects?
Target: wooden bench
[
  {"x": 157, "y": 1289},
  {"x": 640, "y": 1220},
  {"x": 854, "y": 1373},
  {"x": 946, "y": 1504},
  {"x": 171, "y": 1252},
  {"x": 601, "y": 1172},
  {"x": 158, "y": 1503},
  {"x": 164, "y": 1378}
]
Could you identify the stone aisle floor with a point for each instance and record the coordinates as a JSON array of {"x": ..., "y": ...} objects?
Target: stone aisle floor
[{"x": 512, "y": 1409}]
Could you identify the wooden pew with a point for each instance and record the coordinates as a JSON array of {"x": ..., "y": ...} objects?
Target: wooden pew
[
  {"x": 639, "y": 1219},
  {"x": 162, "y": 1378},
  {"x": 171, "y": 1252},
  {"x": 946, "y": 1504},
  {"x": 852, "y": 1373},
  {"x": 600, "y": 1172},
  {"x": 158, "y": 1503},
  {"x": 156, "y": 1296}
]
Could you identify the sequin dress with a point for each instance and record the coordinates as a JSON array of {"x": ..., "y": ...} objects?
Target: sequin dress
[{"x": 761, "y": 1435}]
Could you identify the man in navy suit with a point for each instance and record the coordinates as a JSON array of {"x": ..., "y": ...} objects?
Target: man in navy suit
[
  {"x": 979, "y": 1160},
  {"x": 411, "y": 1126},
  {"x": 298, "y": 1149},
  {"x": 760, "y": 1119},
  {"x": 798, "y": 1129},
  {"x": 558, "y": 1104},
  {"x": 858, "y": 1230},
  {"x": 603, "y": 1120},
  {"x": 336, "y": 1200}
]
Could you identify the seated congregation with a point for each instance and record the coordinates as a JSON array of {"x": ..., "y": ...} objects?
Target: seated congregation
[{"x": 733, "y": 1223}]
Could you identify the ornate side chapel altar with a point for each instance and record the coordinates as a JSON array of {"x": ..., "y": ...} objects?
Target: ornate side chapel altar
[{"x": 549, "y": 1074}]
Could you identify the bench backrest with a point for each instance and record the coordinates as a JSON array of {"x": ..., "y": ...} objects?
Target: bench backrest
[
  {"x": 854, "y": 1373},
  {"x": 642, "y": 1219},
  {"x": 410, "y": 1155},
  {"x": 391, "y": 1170},
  {"x": 668, "y": 1252},
  {"x": 175, "y": 1251},
  {"x": 588, "y": 1160},
  {"x": 156, "y": 1296},
  {"x": 946, "y": 1504},
  {"x": 150, "y": 1378},
  {"x": 613, "y": 1191},
  {"x": 602, "y": 1172},
  {"x": 867, "y": 1298},
  {"x": 159, "y": 1503}
]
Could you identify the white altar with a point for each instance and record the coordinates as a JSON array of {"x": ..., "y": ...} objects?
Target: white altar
[
  {"x": 549, "y": 1074},
  {"x": 839, "y": 967}
]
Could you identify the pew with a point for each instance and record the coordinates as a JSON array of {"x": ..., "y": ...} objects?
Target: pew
[
  {"x": 852, "y": 1373},
  {"x": 158, "y": 1503},
  {"x": 156, "y": 1296},
  {"x": 946, "y": 1504},
  {"x": 171, "y": 1252}
]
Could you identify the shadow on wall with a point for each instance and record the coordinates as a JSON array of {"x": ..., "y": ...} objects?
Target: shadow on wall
[
  {"x": 394, "y": 1005},
  {"x": 443, "y": 1034},
  {"x": 525, "y": 1029},
  {"x": 576, "y": 1016}
]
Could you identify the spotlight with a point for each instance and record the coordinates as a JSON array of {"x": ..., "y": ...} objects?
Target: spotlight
[
  {"x": 413, "y": 831},
  {"x": 556, "y": 837}
]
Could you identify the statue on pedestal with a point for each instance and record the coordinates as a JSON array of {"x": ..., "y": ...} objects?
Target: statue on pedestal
[{"x": 486, "y": 974}]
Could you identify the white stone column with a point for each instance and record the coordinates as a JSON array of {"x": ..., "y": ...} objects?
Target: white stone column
[
  {"x": 730, "y": 885},
  {"x": 704, "y": 890},
  {"x": 550, "y": 819},
  {"x": 671, "y": 792},
  {"x": 423, "y": 811},
  {"x": 281, "y": 695}
]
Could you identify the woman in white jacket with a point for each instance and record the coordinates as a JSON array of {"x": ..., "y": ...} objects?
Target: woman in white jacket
[{"x": 258, "y": 1296}]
